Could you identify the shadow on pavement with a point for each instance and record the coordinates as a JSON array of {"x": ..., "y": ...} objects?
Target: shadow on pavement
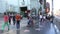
[{"x": 17, "y": 31}]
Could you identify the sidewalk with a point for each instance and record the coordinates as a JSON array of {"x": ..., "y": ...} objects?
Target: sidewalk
[{"x": 57, "y": 21}]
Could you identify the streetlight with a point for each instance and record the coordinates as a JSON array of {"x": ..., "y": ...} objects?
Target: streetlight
[
  {"x": 6, "y": 5},
  {"x": 18, "y": 6},
  {"x": 52, "y": 11},
  {"x": 42, "y": 9}
]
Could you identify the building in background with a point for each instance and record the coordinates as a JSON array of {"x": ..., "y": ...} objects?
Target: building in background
[{"x": 5, "y": 5}]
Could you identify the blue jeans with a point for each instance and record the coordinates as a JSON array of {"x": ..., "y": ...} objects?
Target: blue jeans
[{"x": 18, "y": 25}]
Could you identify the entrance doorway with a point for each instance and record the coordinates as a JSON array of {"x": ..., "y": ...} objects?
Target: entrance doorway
[{"x": 22, "y": 10}]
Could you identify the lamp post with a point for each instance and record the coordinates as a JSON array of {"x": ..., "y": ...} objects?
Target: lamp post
[
  {"x": 6, "y": 5},
  {"x": 18, "y": 6},
  {"x": 52, "y": 11},
  {"x": 41, "y": 9}
]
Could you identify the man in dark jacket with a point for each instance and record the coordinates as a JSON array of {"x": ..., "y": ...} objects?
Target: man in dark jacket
[
  {"x": 13, "y": 19},
  {"x": 9, "y": 18}
]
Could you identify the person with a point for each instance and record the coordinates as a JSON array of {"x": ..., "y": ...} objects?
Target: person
[
  {"x": 18, "y": 18},
  {"x": 26, "y": 14},
  {"x": 6, "y": 19},
  {"x": 40, "y": 18},
  {"x": 13, "y": 19},
  {"x": 48, "y": 17},
  {"x": 44, "y": 18},
  {"x": 52, "y": 18},
  {"x": 30, "y": 22},
  {"x": 9, "y": 19},
  {"x": 30, "y": 18}
]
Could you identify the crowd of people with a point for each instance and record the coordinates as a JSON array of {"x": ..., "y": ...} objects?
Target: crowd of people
[
  {"x": 7, "y": 20},
  {"x": 17, "y": 18}
]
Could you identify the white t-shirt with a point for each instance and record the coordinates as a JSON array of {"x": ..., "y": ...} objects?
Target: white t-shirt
[
  {"x": 44, "y": 17},
  {"x": 29, "y": 14},
  {"x": 40, "y": 16}
]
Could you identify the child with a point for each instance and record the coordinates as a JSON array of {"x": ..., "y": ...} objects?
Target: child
[
  {"x": 6, "y": 19},
  {"x": 18, "y": 18}
]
